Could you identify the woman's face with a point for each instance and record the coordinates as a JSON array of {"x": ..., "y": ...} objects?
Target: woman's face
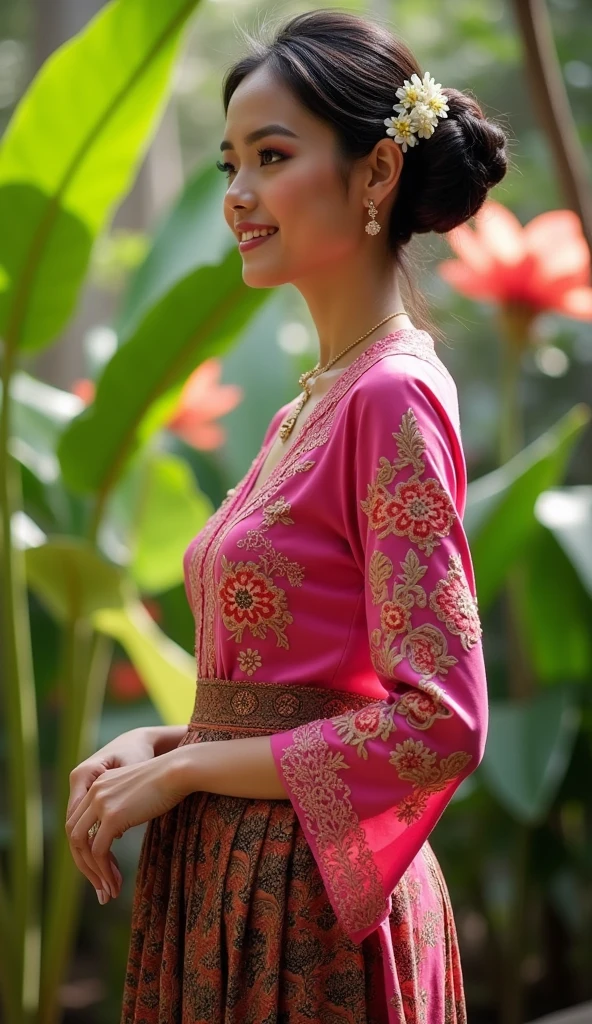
[{"x": 288, "y": 181}]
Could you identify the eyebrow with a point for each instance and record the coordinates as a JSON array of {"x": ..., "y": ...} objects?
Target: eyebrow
[{"x": 260, "y": 133}]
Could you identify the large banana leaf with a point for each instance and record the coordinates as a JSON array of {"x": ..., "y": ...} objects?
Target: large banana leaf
[
  {"x": 71, "y": 151},
  {"x": 499, "y": 517},
  {"x": 192, "y": 234},
  {"x": 567, "y": 513},
  {"x": 167, "y": 671},
  {"x": 198, "y": 318},
  {"x": 156, "y": 510},
  {"x": 72, "y": 580},
  {"x": 528, "y": 749}
]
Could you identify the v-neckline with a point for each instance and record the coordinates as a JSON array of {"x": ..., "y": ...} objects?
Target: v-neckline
[{"x": 249, "y": 495}]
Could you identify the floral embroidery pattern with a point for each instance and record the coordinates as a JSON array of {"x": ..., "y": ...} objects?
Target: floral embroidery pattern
[
  {"x": 425, "y": 646},
  {"x": 278, "y": 512},
  {"x": 249, "y": 661},
  {"x": 313, "y": 773},
  {"x": 314, "y": 433},
  {"x": 249, "y": 599},
  {"x": 416, "y": 763},
  {"x": 377, "y": 721},
  {"x": 419, "y": 509},
  {"x": 455, "y": 606},
  {"x": 272, "y": 562}
]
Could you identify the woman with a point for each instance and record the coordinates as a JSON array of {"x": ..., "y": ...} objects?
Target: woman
[{"x": 285, "y": 873}]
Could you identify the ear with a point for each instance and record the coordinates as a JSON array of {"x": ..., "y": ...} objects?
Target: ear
[{"x": 383, "y": 168}]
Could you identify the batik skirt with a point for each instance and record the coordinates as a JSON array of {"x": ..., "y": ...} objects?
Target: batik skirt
[{"x": 231, "y": 922}]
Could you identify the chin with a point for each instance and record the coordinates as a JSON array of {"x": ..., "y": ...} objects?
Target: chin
[{"x": 262, "y": 277}]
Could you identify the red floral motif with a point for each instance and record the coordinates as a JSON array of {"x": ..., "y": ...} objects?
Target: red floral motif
[
  {"x": 419, "y": 509},
  {"x": 249, "y": 599},
  {"x": 369, "y": 723},
  {"x": 416, "y": 763},
  {"x": 422, "y": 511},
  {"x": 394, "y": 616},
  {"x": 426, "y": 650},
  {"x": 421, "y": 709},
  {"x": 455, "y": 606}
]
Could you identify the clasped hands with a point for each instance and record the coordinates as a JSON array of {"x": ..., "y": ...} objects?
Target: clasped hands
[{"x": 119, "y": 798}]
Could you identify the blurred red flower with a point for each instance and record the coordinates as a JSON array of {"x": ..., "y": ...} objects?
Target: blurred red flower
[
  {"x": 201, "y": 402},
  {"x": 541, "y": 267},
  {"x": 124, "y": 682}
]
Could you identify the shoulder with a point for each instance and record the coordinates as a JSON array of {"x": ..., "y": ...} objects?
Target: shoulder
[
  {"x": 399, "y": 379},
  {"x": 415, "y": 399}
]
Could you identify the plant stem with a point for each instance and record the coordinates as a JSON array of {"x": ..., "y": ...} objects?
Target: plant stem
[
  {"x": 86, "y": 660},
  {"x": 512, "y": 1010},
  {"x": 24, "y": 931}
]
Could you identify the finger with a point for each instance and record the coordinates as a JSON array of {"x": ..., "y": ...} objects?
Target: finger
[
  {"x": 101, "y": 851},
  {"x": 94, "y": 878},
  {"x": 96, "y": 850}
]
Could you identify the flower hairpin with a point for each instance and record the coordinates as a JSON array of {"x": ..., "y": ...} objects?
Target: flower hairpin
[{"x": 422, "y": 103}]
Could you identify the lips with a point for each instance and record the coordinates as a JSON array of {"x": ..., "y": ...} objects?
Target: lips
[{"x": 252, "y": 242}]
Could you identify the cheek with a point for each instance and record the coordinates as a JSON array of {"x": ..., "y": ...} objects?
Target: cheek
[{"x": 309, "y": 206}]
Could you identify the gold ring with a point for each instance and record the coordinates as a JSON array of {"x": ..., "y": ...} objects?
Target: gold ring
[{"x": 93, "y": 829}]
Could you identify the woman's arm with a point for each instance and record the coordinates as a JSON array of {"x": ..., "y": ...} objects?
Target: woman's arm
[
  {"x": 165, "y": 737},
  {"x": 242, "y": 767}
]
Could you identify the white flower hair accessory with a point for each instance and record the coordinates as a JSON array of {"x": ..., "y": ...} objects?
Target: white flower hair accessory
[{"x": 422, "y": 103}]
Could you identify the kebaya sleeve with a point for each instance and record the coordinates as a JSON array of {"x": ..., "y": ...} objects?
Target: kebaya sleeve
[{"x": 369, "y": 785}]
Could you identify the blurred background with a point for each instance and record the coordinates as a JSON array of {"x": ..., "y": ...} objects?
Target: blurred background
[{"x": 141, "y": 376}]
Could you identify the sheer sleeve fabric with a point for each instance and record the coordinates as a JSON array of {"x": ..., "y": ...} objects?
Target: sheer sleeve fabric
[{"x": 369, "y": 786}]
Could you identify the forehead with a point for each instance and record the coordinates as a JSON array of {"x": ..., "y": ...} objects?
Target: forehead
[{"x": 262, "y": 98}]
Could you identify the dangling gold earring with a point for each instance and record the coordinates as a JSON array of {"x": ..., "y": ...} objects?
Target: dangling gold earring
[{"x": 372, "y": 227}]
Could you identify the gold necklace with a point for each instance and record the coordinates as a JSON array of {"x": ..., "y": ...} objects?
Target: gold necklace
[{"x": 287, "y": 426}]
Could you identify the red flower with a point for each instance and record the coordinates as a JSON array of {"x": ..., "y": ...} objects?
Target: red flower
[
  {"x": 202, "y": 401},
  {"x": 542, "y": 267},
  {"x": 124, "y": 682},
  {"x": 85, "y": 389}
]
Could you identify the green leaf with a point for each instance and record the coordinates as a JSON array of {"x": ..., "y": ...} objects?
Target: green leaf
[
  {"x": 72, "y": 579},
  {"x": 528, "y": 749},
  {"x": 192, "y": 234},
  {"x": 198, "y": 318},
  {"x": 167, "y": 671},
  {"x": 556, "y": 612},
  {"x": 70, "y": 152},
  {"x": 157, "y": 510},
  {"x": 567, "y": 513},
  {"x": 499, "y": 517}
]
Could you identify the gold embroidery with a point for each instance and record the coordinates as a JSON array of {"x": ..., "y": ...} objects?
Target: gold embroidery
[
  {"x": 249, "y": 661},
  {"x": 416, "y": 763},
  {"x": 425, "y": 646},
  {"x": 278, "y": 512},
  {"x": 455, "y": 606},
  {"x": 312, "y": 771},
  {"x": 249, "y": 599},
  {"x": 273, "y": 562},
  {"x": 314, "y": 433},
  {"x": 419, "y": 509}
]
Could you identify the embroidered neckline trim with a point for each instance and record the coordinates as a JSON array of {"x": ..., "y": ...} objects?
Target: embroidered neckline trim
[{"x": 339, "y": 386}]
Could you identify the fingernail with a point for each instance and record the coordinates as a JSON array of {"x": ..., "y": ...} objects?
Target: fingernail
[{"x": 101, "y": 896}]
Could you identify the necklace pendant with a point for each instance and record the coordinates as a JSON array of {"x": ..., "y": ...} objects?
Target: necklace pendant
[{"x": 288, "y": 424}]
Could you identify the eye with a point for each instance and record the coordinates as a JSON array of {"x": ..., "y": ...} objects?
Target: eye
[{"x": 229, "y": 169}]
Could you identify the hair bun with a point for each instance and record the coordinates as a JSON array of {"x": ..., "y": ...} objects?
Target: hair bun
[{"x": 453, "y": 172}]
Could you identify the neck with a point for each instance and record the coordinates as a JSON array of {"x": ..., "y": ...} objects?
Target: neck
[{"x": 346, "y": 305}]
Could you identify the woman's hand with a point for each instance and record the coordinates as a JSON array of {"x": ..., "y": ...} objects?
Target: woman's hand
[
  {"x": 120, "y": 798},
  {"x": 130, "y": 748}
]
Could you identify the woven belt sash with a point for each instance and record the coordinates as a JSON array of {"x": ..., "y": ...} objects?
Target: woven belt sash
[{"x": 267, "y": 707}]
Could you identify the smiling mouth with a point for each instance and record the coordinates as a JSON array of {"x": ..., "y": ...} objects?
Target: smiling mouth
[{"x": 250, "y": 243}]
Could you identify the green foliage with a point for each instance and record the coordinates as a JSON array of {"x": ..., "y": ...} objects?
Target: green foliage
[{"x": 71, "y": 152}]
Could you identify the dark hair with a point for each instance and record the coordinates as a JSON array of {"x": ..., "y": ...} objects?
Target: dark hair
[{"x": 345, "y": 70}]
